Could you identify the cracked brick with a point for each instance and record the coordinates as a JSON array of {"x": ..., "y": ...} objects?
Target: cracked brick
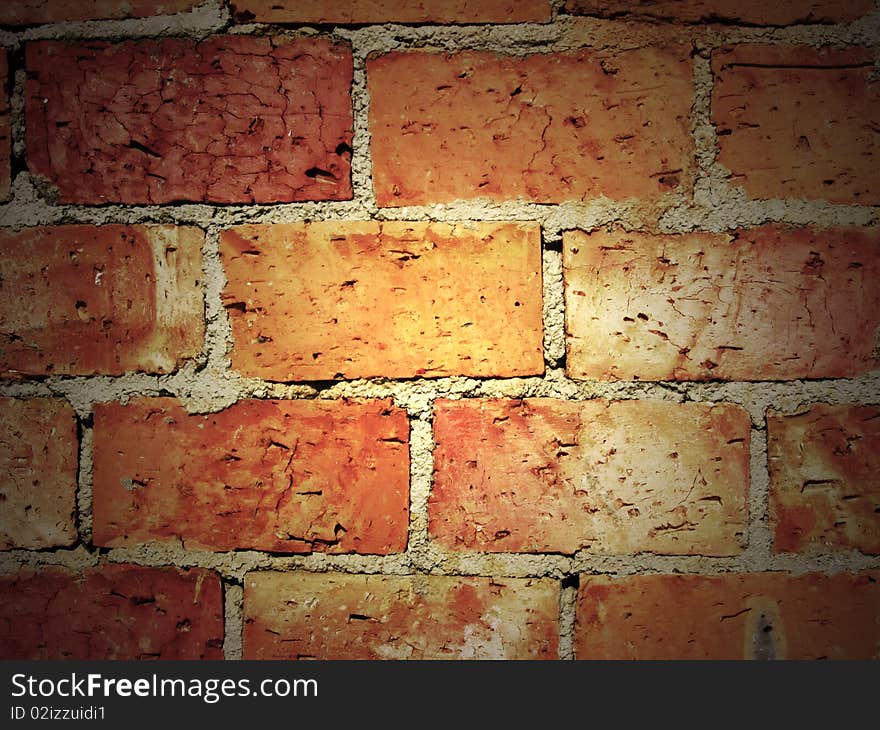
[
  {"x": 769, "y": 303},
  {"x": 338, "y": 616},
  {"x": 547, "y": 128},
  {"x": 38, "y": 463},
  {"x": 361, "y": 299},
  {"x": 82, "y": 300},
  {"x": 5, "y": 132},
  {"x": 824, "y": 491},
  {"x": 797, "y": 122},
  {"x": 232, "y": 119},
  {"x": 545, "y": 475},
  {"x": 749, "y": 12},
  {"x": 281, "y": 476},
  {"x": 32, "y": 12},
  {"x": 112, "y": 612},
  {"x": 748, "y": 616},
  {"x": 396, "y": 11}
]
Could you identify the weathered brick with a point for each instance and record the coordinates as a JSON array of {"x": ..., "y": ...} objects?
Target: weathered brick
[
  {"x": 355, "y": 12},
  {"x": 750, "y": 616},
  {"x": 233, "y": 119},
  {"x": 824, "y": 491},
  {"x": 5, "y": 138},
  {"x": 769, "y": 303},
  {"x": 797, "y": 122},
  {"x": 33, "y": 12},
  {"x": 361, "y": 299},
  {"x": 112, "y": 612},
  {"x": 79, "y": 300},
  {"x": 283, "y": 476},
  {"x": 547, "y": 127},
  {"x": 38, "y": 466},
  {"x": 338, "y": 616},
  {"x": 750, "y": 12},
  {"x": 544, "y": 475}
]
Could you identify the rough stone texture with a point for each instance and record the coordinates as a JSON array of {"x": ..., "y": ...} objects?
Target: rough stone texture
[
  {"x": 769, "y": 303},
  {"x": 751, "y": 616},
  {"x": 38, "y": 464},
  {"x": 80, "y": 300},
  {"x": 547, "y": 127},
  {"x": 233, "y": 119},
  {"x": 112, "y": 612},
  {"x": 5, "y": 138},
  {"x": 751, "y": 12},
  {"x": 797, "y": 122},
  {"x": 282, "y": 476},
  {"x": 32, "y": 12},
  {"x": 361, "y": 299},
  {"x": 337, "y": 616},
  {"x": 824, "y": 486},
  {"x": 395, "y": 11},
  {"x": 545, "y": 475}
]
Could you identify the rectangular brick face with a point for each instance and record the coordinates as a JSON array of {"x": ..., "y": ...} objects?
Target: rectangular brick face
[
  {"x": 351, "y": 300},
  {"x": 824, "y": 491},
  {"x": 570, "y": 126},
  {"x": 282, "y": 476},
  {"x": 5, "y": 137},
  {"x": 339, "y": 616},
  {"x": 30, "y": 12},
  {"x": 768, "y": 303},
  {"x": 752, "y": 12},
  {"x": 544, "y": 475},
  {"x": 395, "y": 11},
  {"x": 750, "y": 616},
  {"x": 112, "y": 612},
  {"x": 38, "y": 464},
  {"x": 81, "y": 300},
  {"x": 232, "y": 119},
  {"x": 796, "y": 122}
]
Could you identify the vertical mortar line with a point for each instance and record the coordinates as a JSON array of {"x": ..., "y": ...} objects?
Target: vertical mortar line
[
  {"x": 17, "y": 138},
  {"x": 233, "y": 623},
  {"x": 757, "y": 555},
  {"x": 702, "y": 129},
  {"x": 84, "y": 481},
  {"x": 568, "y": 591},
  {"x": 361, "y": 158},
  {"x": 553, "y": 312},
  {"x": 421, "y": 465},
  {"x": 218, "y": 331}
]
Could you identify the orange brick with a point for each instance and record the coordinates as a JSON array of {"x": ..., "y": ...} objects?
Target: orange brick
[
  {"x": 769, "y": 303},
  {"x": 394, "y": 11},
  {"x": 824, "y": 491},
  {"x": 5, "y": 138},
  {"x": 283, "y": 476},
  {"x": 547, "y": 127},
  {"x": 38, "y": 463},
  {"x": 338, "y": 616},
  {"x": 361, "y": 299},
  {"x": 751, "y": 12},
  {"x": 31, "y": 12},
  {"x": 750, "y": 616},
  {"x": 112, "y": 612},
  {"x": 797, "y": 122},
  {"x": 544, "y": 475},
  {"x": 232, "y": 119},
  {"x": 80, "y": 300}
]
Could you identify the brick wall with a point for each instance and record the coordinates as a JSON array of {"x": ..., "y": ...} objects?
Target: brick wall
[{"x": 393, "y": 329}]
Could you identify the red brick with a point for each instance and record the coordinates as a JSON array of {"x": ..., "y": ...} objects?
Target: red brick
[
  {"x": 233, "y": 119},
  {"x": 544, "y": 475},
  {"x": 769, "y": 303},
  {"x": 797, "y": 122},
  {"x": 824, "y": 491},
  {"x": 32, "y": 12},
  {"x": 282, "y": 476},
  {"x": 38, "y": 463},
  {"x": 362, "y": 299},
  {"x": 547, "y": 127},
  {"x": 750, "y": 12},
  {"x": 338, "y": 616},
  {"x": 112, "y": 612},
  {"x": 5, "y": 138},
  {"x": 391, "y": 11},
  {"x": 80, "y": 300},
  {"x": 751, "y": 616}
]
